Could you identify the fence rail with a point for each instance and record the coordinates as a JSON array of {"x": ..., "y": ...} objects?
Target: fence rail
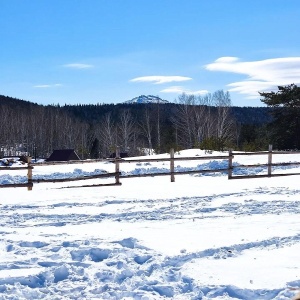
[
  {"x": 105, "y": 175},
  {"x": 68, "y": 162},
  {"x": 172, "y": 173}
]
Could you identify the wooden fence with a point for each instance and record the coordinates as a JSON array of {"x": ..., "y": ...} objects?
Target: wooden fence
[
  {"x": 29, "y": 169},
  {"x": 269, "y": 164},
  {"x": 172, "y": 159},
  {"x": 230, "y": 168}
]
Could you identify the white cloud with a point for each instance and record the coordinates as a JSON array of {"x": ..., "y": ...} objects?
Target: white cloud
[
  {"x": 181, "y": 90},
  {"x": 78, "y": 66},
  {"x": 160, "y": 79},
  {"x": 43, "y": 86},
  {"x": 262, "y": 75},
  {"x": 227, "y": 59}
]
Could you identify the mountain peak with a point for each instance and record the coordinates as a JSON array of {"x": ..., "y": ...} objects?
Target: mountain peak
[{"x": 146, "y": 99}]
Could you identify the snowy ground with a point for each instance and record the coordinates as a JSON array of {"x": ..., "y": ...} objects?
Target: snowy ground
[{"x": 202, "y": 237}]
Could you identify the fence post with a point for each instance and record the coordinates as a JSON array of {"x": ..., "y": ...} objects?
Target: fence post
[
  {"x": 230, "y": 164},
  {"x": 270, "y": 161},
  {"x": 117, "y": 165},
  {"x": 172, "y": 165},
  {"x": 29, "y": 174}
]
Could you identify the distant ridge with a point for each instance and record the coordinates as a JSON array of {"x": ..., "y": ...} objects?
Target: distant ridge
[
  {"x": 146, "y": 99},
  {"x": 15, "y": 102}
]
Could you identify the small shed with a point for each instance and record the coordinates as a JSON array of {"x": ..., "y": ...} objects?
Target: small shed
[{"x": 63, "y": 155}]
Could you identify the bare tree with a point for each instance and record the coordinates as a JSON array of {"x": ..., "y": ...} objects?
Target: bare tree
[
  {"x": 224, "y": 120},
  {"x": 204, "y": 121},
  {"x": 158, "y": 147},
  {"x": 184, "y": 120},
  {"x": 126, "y": 129},
  {"x": 107, "y": 133},
  {"x": 208, "y": 122},
  {"x": 147, "y": 128}
]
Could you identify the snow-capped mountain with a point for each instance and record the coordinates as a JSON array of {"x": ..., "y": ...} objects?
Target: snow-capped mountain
[{"x": 146, "y": 99}]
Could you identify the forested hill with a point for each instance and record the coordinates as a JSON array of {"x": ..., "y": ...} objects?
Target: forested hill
[
  {"x": 252, "y": 115},
  {"x": 94, "y": 112},
  {"x": 16, "y": 103},
  {"x": 94, "y": 130}
]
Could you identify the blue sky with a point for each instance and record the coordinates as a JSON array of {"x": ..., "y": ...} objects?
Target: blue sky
[{"x": 110, "y": 51}]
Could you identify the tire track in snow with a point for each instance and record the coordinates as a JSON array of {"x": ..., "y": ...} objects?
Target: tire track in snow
[
  {"x": 232, "y": 251},
  {"x": 150, "y": 210}
]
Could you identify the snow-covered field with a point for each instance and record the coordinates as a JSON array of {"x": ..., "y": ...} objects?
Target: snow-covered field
[{"x": 202, "y": 237}]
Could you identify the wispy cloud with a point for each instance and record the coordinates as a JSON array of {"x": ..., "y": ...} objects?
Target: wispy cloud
[
  {"x": 45, "y": 86},
  {"x": 78, "y": 66},
  {"x": 181, "y": 90},
  {"x": 262, "y": 75},
  {"x": 160, "y": 79}
]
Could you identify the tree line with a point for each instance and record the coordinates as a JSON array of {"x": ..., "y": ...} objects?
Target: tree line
[{"x": 208, "y": 122}]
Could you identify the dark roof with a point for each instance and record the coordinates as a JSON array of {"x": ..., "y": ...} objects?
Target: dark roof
[
  {"x": 122, "y": 154},
  {"x": 63, "y": 155}
]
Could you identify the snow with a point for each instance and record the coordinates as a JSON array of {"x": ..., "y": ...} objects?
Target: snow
[
  {"x": 146, "y": 99},
  {"x": 201, "y": 237}
]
